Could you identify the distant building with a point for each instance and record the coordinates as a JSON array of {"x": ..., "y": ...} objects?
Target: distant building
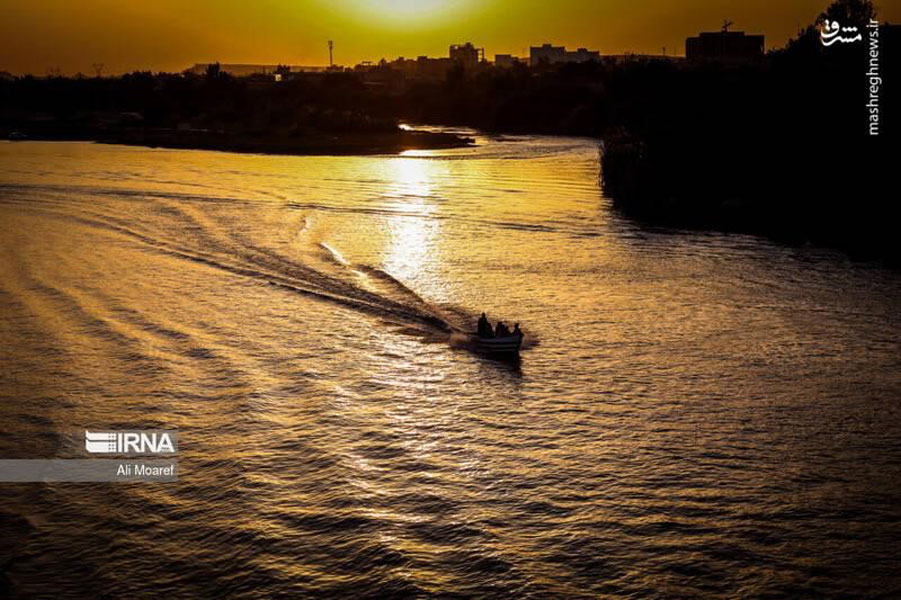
[
  {"x": 552, "y": 55},
  {"x": 395, "y": 71},
  {"x": 467, "y": 55},
  {"x": 546, "y": 54},
  {"x": 621, "y": 59},
  {"x": 246, "y": 70},
  {"x": 724, "y": 46},
  {"x": 432, "y": 68},
  {"x": 422, "y": 67},
  {"x": 508, "y": 60},
  {"x": 583, "y": 55}
]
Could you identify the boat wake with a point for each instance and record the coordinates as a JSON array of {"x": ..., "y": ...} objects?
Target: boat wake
[{"x": 183, "y": 230}]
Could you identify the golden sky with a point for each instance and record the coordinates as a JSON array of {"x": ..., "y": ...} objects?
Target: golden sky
[{"x": 170, "y": 35}]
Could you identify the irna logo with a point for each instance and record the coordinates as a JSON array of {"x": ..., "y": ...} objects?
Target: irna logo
[{"x": 131, "y": 442}]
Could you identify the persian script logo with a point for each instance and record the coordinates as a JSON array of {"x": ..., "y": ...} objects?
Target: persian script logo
[
  {"x": 830, "y": 30},
  {"x": 129, "y": 442}
]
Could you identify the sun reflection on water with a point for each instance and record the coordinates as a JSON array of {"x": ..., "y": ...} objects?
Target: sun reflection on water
[{"x": 413, "y": 232}]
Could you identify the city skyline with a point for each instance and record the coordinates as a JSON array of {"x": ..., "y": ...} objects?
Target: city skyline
[{"x": 38, "y": 37}]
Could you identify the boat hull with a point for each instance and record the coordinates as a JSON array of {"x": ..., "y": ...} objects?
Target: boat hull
[{"x": 502, "y": 345}]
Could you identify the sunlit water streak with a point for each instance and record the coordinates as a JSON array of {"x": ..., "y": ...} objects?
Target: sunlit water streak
[{"x": 697, "y": 414}]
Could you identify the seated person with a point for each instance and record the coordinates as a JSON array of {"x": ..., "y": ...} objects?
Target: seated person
[
  {"x": 484, "y": 328},
  {"x": 501, "y": 330}
]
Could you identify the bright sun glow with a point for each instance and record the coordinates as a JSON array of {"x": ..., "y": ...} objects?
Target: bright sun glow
[{"x": 409, "y": 11}]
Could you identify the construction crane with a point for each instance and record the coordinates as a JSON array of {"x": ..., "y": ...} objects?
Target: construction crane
[{"x": 726, "y": 25}]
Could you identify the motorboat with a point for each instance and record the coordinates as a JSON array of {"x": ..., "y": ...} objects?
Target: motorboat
[{"x": 508, "y": 344}]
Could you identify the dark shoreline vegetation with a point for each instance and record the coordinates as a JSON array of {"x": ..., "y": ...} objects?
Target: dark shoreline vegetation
[{"x": 780, "y": 147}]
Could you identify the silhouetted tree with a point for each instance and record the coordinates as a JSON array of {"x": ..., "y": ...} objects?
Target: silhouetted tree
[
  {"x": 213, "y": 70},
  {"x": 847, "y": 12},
  {"x": 850, "y": 12}
]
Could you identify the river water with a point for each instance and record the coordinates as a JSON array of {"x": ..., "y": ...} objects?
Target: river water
[{"x": 695, "y": 414}]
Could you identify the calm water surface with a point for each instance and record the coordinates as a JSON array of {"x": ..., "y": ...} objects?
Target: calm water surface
[{"x": 696, "y": 414}]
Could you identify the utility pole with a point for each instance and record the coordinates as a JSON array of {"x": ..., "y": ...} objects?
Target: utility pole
[{"x": 331, "y": 56}]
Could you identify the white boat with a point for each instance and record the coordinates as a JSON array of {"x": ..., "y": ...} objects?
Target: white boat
[{"x": 509, "y": 344}]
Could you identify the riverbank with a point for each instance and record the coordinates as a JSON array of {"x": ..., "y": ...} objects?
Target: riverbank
[{"x": 315, "y": 143}]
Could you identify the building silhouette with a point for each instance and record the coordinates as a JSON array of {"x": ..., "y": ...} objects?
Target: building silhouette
[
  {"x": 549, "y": 54},
  {"x": 508, "y": 60},
  {"x": 724, "y": 46},
  {"x": 467, "y": 55},
  {"x": 246, "y": 70}
]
